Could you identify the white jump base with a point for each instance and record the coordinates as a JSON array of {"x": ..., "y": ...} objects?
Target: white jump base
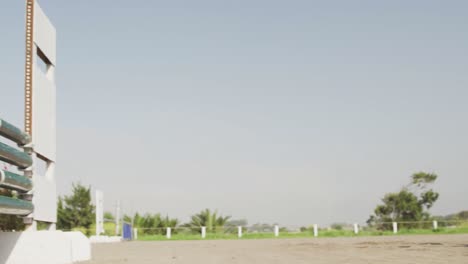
[{"x": 51, "y": 247}]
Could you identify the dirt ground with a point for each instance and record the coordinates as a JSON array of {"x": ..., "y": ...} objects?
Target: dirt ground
[{"x": 398, "y": 249}]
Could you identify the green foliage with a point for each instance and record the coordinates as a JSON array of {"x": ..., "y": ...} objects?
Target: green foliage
[
  {"x": 127, "y": 219},
  {"x": 421, "y": 179},
  {"x": 453, "y": 219},
  {"x": 209, "y": 219},
  {"x": 76, "y": 210},
  {"x": 410, "y": 204},
  {"x": 232, "y": 225},
  {"x": 463, "y": 215},
  {"x": 62, "y": 223},
  {"x": 11, "y": 223},
  {"x": 171, "y": 222},
  {"x": 428, "y": 198},
  {"x": 155, "y": 224},
  {"x": 108, "y": 216},
  {"x": 337, "y": 226},
  {"x": 261, "y": 228}
]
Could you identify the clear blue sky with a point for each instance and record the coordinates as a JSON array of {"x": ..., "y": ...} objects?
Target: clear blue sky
[{"x": 295, "y": 112}]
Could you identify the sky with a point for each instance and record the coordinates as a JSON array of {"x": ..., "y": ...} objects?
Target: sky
[{"x": 290, "y": 112}]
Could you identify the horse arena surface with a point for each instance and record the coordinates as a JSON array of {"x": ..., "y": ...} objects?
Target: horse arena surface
[{"x": 389, "y": 249}]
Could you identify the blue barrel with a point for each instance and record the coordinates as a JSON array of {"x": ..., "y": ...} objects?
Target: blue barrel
[{"x": 127, "y": 232}]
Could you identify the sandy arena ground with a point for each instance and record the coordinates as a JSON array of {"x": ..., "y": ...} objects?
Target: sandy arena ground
[{"x": 399, "y": 249}]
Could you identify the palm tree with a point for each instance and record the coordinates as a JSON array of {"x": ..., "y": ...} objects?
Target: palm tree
[
  {"x": 170, "y": 222},
  {"x": 151, "y": 224},
  {"x": 208, "y": 219},
  {"x": 155, "y": 224}
]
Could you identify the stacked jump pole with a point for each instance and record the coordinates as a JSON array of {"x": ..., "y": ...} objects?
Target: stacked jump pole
[
  {"x": 30, "y": 190},
  {"x": 20, "y": 186},
  {"x": 28, "y": 187}
]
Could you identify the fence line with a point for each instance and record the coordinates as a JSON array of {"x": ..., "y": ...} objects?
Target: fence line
[
  {"x": 278, "y": 231},
  {"x": 296, "y": 227},
  {"x": 427, "y": 222}
]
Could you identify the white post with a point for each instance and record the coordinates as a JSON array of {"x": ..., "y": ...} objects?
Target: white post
[
  {"x": 315, "y": 230},
  {"x": 135, "y": 233},
  {"x": 168, "y": 233},
  {"x": 239, "y": 231},
  {"x": 395, "y": 227},
  {"x": 435, "y": 225},
  {"x": 276, "y": 231},
  {"x": 99, "y": 213},
  {"x": 356, "y": 229},
  {"x": 203, "y": 232},
  {"x": 117, "y": 219}
]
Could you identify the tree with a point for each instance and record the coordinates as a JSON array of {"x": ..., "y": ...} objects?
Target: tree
[
  {"x": 170, "y": 222},
  {"x": 151, "y": 224},
  {"x": 137, "y": 220},
  {"x": 338, "y": 226},
  {"x": 410, "y": 204},
  {"x": 108, "y": 216},
  {"x": 76, "y": 210},
  {"x": 155, "y": 224},
  {"x": 232, "y": 225},
  {"x": 463, "y": 215},
  {"x": 262, "y": 228},
  {"x": 208, "y": 219},
  {"x": 452, "y": 218},
  {"x": 62, "y": 222},
  {"x": 127, "y": 218}
]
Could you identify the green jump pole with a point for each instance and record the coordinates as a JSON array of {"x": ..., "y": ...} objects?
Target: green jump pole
[
  {"x": 13, "y": 133},
  {"x": 14, "y": 156},
  {"x": 12, "y": 206},
  {"x": 13, "y": 181}
]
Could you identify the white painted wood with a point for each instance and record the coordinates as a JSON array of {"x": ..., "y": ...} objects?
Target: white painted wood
[
  {"x": 435, "y": 225},
  {"x": 276, "y": 231},
  {"x": 43, "y": 87},
  {"x": 44, "y": 118},
  {"x": 44, "y": 247},
  {"x": 44, "y": 199},
  {"x": 45, "y": 34},
  {"x": 80, "y": 246},
  {"x": 356, "y": 229},
  {"x": 168, "y": 233},
  {"x": 44, "y": 115},
  {"x": 395, "y": 227},
  {"x": 117, "y": 219},
  {"x": 203, "y": 232},
  {"x": 239, "y": 231},
  {"x": 315, "y": 230},
  {"x": 99, "y": 212}
]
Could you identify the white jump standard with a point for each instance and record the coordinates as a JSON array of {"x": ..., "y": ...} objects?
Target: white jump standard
[{"x": 36, "y": 196}]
